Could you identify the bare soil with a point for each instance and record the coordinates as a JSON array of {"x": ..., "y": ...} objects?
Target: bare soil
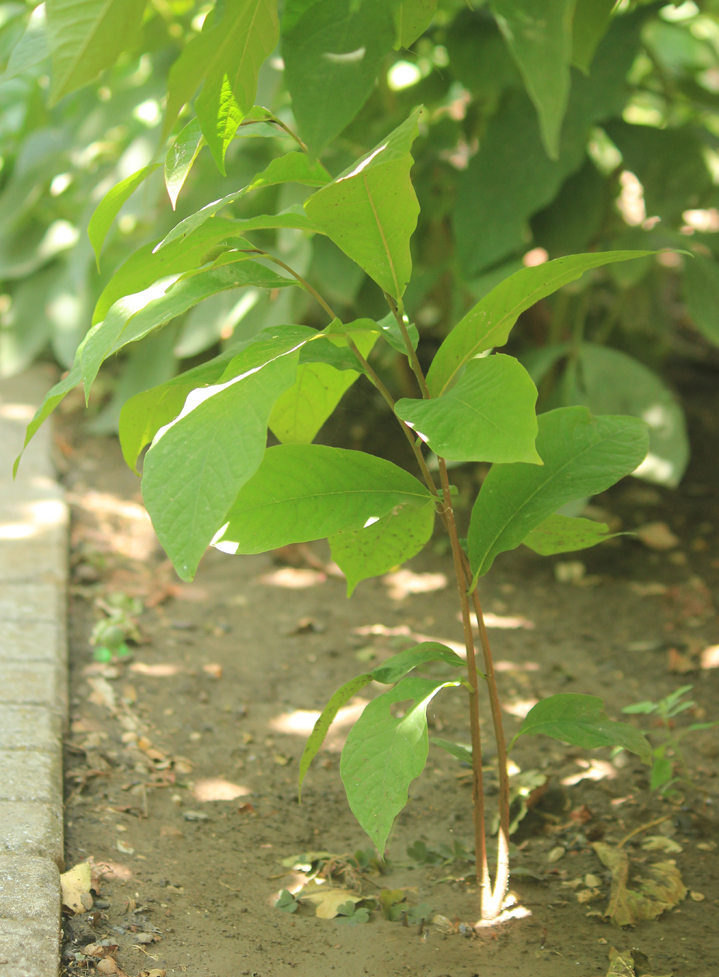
[{"x": 218, "y": 697}]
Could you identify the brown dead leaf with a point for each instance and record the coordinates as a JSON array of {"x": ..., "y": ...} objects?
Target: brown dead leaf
[
  {"x": 657, "y": 536},
  {"x": 75, "y": 885},
  {"x": 659, "y": 889},
  {"x": 327, "y": 900},
  {"x": 679, "y": 663},
  {"x": 625, "y": 964},
  {"x": 155, "y": 972},
  {"x": 213, "y": 670}
]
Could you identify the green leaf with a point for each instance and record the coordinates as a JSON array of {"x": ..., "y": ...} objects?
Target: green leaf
[
  {"x": 303, "y": 492},
  {"x": 32, "y": 48},
  {"x": 391, "y": 332},
  {"x": 180, "y": 157},
  {"x": 563, "y": 534},
  {"x": 145, "y": 413},
  {"x": 385, "y": 544},
  {"x": 590, "y": 24},
  {"x": 370, "y": 210},
  {"x": 701, "y": 295},
  {"x": 327, "y": 717},
  {"x": 110, "y": 206},
  {"x": 487, "y": 416},
  {"x": 86, "y": 36},
  {"x": 412, "y": 18},
  {"x": 611, "y": 382},
  {"x": 460, "y": 753},
  {"x": 320, "y": 385},
  {"x": 383, "y": 755},
  {"x": 539, "y": 35},
  {"x": 583, "y": 455},
  {"x": 286, "y": 902},
  {"x": 200, "y": 461},
  {"x": 290, "y": 168},
  {"x": 337, "y": 46},
  {"x": 581, "y": 721},
  {"x": 489, "y": 322},
  {"x": 134, "y": 316},
  {"x": 395, "y": 668},
  {"x": 246, "y": 35}
]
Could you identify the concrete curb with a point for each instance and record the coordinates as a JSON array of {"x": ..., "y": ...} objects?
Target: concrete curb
[{"x": 33, "y": 687}]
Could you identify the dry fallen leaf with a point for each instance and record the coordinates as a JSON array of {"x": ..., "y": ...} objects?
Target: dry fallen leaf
[
  {"x": 75, "y": 885},
  {"x": 697, "y": 896},
  {"x": 623, "y": 964},
  {"x": 327, "y": 900},
  {"x": 661, "y": 888},
  {"x": 661, "y": 843}
]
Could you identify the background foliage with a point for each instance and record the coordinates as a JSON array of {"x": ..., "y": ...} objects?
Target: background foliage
[{"x": 535, "y": 141}]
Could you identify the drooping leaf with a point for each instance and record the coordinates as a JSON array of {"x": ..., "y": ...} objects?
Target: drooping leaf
[
  {"x": 581, "y": 721},
  {"x": 290, "y": 168},
  {"x": 180, "y": 157},
  {"x": 460, "y": 753},
  {"x": 32, "y": 48},
  {"x": 383, "y": 755},
  {"x": 198, "y": 464},
  {"x": 412, "y": 18},
  {"x": 395, "y": 668},
  {"x": 370, "y": 210},
  {"x": 487, "y": 416},
  {"x": 385, "y": 544},
  {"x": 590, "y": 24},
  {"x": 701, "y": 294},
  {"x": 539, "y": 35},
  {"x": 303, "y": 492},
  {"x": 327, "y": 717},
  {"x": 110, "y": 206},
  {"x": 336, "y": 46},
  {"x": 660, "y": 889},
  {"x": 134, "y": 316},
  {"x": 564, "y": 534},
  {"x": 393, "y": 334},
  {"x": 86, "y": 36},
  {"x": 489, "y": 323},
  {"x": 582, "y": 455}
]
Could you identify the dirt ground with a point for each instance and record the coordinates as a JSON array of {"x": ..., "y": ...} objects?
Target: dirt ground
[{"x": 181, "y": 761}]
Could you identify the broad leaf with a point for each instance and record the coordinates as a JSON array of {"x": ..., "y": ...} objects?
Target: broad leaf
[
  {"x": 384, "y": 753},
  {"x": 370, "y": 210},
  {"x": 86, "y": 36},
  {"x": 180, "y": 157},
  {"x": 393, "y": 335},
  {"x": 563, "y": 534},
  {"x": 134, "y": 316},
  {"x": 487, "y": 416},
  {"x": 303, "y": 492},
  {"x": 32, "y": 48},
  {"x": 321, "y": 383},
  {"x": 327, "y": 717},
  {"x": 337, "y": 46},
  {"x": 395, "y": 668},
  {"x": 147, "y": 412},
  {"x": 200, "y": 461},
  {"x": 489, "y": 323},
  {"x": 539, "y": 35},
  {"x": 385, "y": 544},
  {"x": 590, "y": 24},
  {"x": 110, "y": 206},
  {"x": 582, "y": 455},
  {"x": 412, "y": 18},
  {"x": 581, "y": 721},
  {"x": 290, "y": 168}
]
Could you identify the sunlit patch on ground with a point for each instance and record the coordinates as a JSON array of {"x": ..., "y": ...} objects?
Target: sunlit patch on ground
[
  {"x": 294, "y": 578},
  {"x": 301, "y": 722},
  {"x": 160, "y": 670},
  {"x": 402, "y": 583},
  {"x": 218, "y": 789},
  {"x": 591, "y": 770},
  {"x": 519, "y": 707},
  {"x": 118, "y": 526}
]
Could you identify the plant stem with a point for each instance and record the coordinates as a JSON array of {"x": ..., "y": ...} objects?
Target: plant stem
[
  {"x": 411, "y": 351},
  {"x": 480, "y": 838}
]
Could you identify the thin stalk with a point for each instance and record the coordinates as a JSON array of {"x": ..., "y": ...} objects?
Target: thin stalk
[
  {"x": 411, "y": 351},
  {"x": 480, "y": 838},
  {"x": 280, "y": 123}
]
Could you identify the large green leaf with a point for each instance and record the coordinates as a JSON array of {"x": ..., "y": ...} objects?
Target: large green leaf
[
  {"x": 180, "y": 157},
  {"x": 701, "y": 295},
  {"x": 244, "y": 37},
  {"x": 582, "y": 455},
  {"x": 290, "y": 168},
  {"x": 489, "y": 322},
  {"x": 564, "y": 534},
  {"x": 337, "y": 46},
  {"x": 370, "y": 210},
  {"x": 303, "y": 492},
  {"x": 581, "y": 721},
  {"x": 488, "y": 415},
  {"x": 320, "y": 385},
  {"x": 611, "y": 382},
  {"x": 412, "y": 18},
  {"x": 134, "y": 316},
  {"x": 395, "y": 668},
  {"x": 590, "y": 24},
  {"x": 145, "y": 413},
  {"x": 539, "y": 35},
  {"x": 86, "y": 36},
  {"x": 32, "y": 48},
  {"x": 110, "y": 205},
  {"x": 385, "y": 544},
  {"x": 200, "y": 461},
  {"x": 384, "y": 753}
]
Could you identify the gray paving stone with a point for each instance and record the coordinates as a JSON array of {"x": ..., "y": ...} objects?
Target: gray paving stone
[
  {"x": 29, "y": 728},
  {"x": 28, "y": 560},
  {"x": 32, "y": 683},
  {"x": 27, "y": 775},
  {"x": 36, "y": 601},
  {"x": 28, "y": 949},
  {"x": 19, "y": 397},
  {"x": 32, "y": 641},
  {"x": 29, "y": 890},
  {"x": 31, "y": 828}
]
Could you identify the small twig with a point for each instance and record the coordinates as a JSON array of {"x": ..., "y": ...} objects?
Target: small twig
[
  {"x": 411, "y": 351},
  {"x": 642, "y": 827}
]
